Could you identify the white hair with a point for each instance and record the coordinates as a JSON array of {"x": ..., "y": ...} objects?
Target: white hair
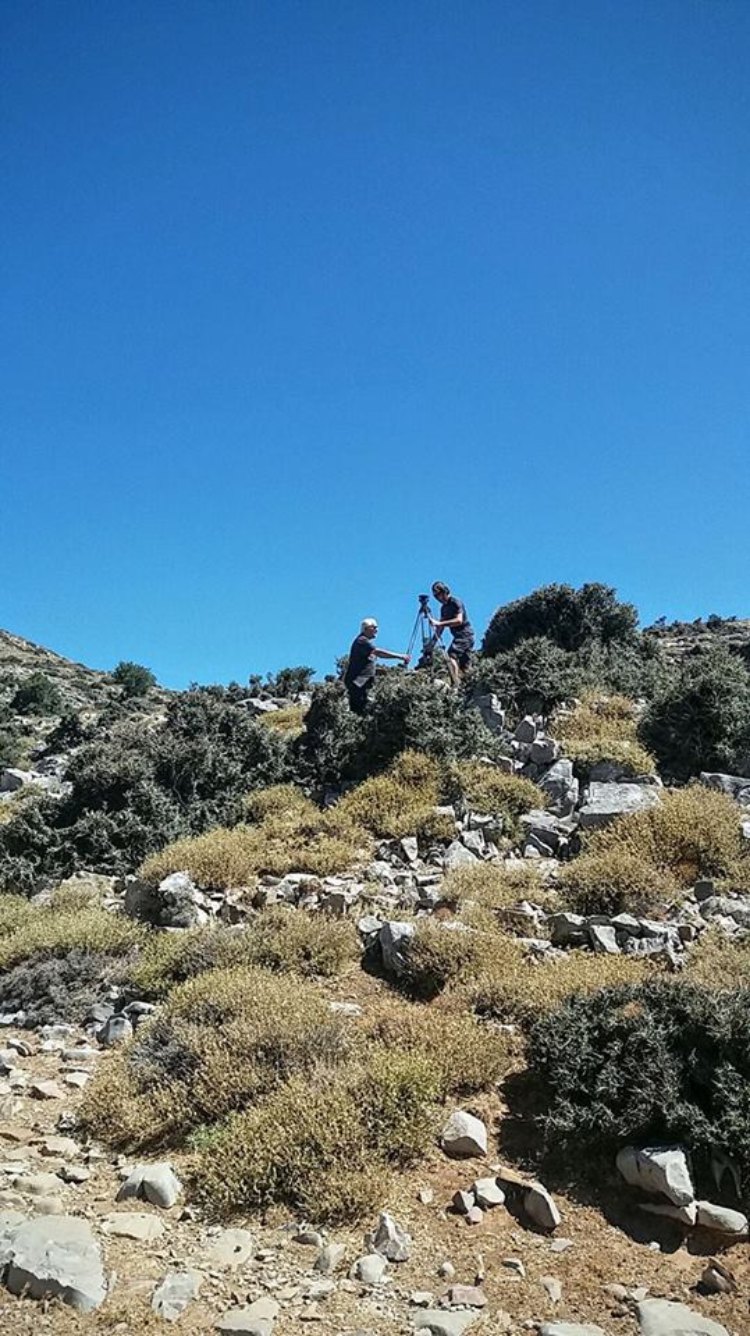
[{"x": 367, "y": 622}]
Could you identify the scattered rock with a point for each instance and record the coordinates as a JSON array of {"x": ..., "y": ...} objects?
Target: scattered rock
[
  {"x": 570, "y": 1329},
  {"x": 658, "y": 1169},
  {"x": 660, "y": 1317},
  {"x": 232, "y": 1248},
  {"x": 57, "y": 1257},
  {"x": 464, "y": 1135},
  {"x": 553, "y": 1287},
  {"x": 539, "y": 1205},
  {"x": 175, "y": 1292},
  {"x": 330, "y": 1258},
  {"x": 717, "y": 1278},
  {"x": 390, "y": 1240},
  {"x": 466, "y": 1296},
  {"x": 394, "y": 937},
  {"x": 46, "y": 1090},
  {"x": 721, "y": 1218},
  {"x": 133, "y": 1225},
  {"x": 370, "y": 1269},
  {"x": 115, "y": 1030},
  {"x": 604, "y": 803},
  {"x": 439, "y": 1322},
  {"x": 488, "y": 1193},
  {"x": 156, "y": 1183},
  {"x": 254, "y": 1319}
]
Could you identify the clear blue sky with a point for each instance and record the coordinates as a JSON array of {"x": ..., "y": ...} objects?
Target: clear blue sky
[{"x": 307, "y": 304}]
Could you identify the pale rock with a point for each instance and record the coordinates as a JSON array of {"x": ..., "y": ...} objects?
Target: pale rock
[
  {"x": 57, "y": 1257},
  {"x": 176, "y": 1291},
  {"x": 488, "y": 1193},
  {"x": 46, "y": 1090},
  {"x": 390, "y": 1240},
  {"x": 462, "y": 1201},
  {"x": 444, "y": 1322},
  {"x": 658, "y": 1169},
  {"x": 467, "y": 1296},
  {"x": 684, "y": 1215},
  {"x": 156, "y": 1183},
  {"x": 370, "y": 1269},
  {"x": 37, "y": 1185},
  {"x": 133, "y": 1225},
  {"x": 330, "y": 1258},
  {"x": 570, "y": 1329},
  {"x": 464, "y": 1135},
  {"x": 721, "y": 1219},
  {"x": 660, "y": 1317},
  {"x": 540, "y": 1206},
  {"x": 254, "y": 1319},
  {"x": 553, "y": 1287}
]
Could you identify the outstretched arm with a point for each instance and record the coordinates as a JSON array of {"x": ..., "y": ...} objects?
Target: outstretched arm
[
  {"x": 390, "y": 654},
  {"x": 452, "y": 621}
]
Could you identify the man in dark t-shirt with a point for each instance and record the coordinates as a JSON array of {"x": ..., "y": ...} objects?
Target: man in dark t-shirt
[
  {"x": 453, "y": 616},
  {"x": 360, "y": 670}
]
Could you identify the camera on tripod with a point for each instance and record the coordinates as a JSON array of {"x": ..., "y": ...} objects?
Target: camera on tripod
[{"x": 424, "y": 602}]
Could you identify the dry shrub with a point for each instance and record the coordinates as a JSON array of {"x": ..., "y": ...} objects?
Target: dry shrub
[
  {"x": 224, "y": 858},
  {"x": 47, "y": 932},
  {"x": 290, "y": 720},
  {"x": 615, "y": 882},
  {"x": 468, "y": 1055},
  {"x": 222, "y": 1041},
  {"x": 400, "y": 802},
  {"x": 442, "y": 955},
  {"x": 603, "y": 728},
  {"x": 497, "y": 886},
  {"x": 516, "y": 988},
  {"x": 15, "y": 912},
  {"x": 720, "y": 962},
  {"x": 487, "y": 790},
  {"x": 690, "y": 833},
  {"x": 321, "y": 1147},
  {"x": 280, "y": 800},
  {"x": 284, "y": 940}
]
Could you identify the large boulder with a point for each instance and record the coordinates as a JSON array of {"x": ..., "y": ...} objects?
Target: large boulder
[
  {"x": 604, "y": 803},
  {"x": 175, "y": 903},
  {"x": 661, "y": 1317},
  {"x": 661, "y": 1170},
  {"x": 394, "y": 939},
  {"x": 156, "y": 1183},
  {"x": 550, "y": 833},
  {"x": 57, "y": 1257},
  {"x": 491, "y": 710}
]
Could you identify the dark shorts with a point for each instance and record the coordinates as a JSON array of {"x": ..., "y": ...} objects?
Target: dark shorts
[
  {"x": 358, "y": 697},
  {"x": 460, "y": 652}
]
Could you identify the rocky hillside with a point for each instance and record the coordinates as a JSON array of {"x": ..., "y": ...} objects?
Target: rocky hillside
[
  {"x": 434, "y": 1020},
  {"x": 681, "y": 640}
]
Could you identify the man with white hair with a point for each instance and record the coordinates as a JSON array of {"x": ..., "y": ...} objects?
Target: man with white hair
[{"x": 360, "y": 670}]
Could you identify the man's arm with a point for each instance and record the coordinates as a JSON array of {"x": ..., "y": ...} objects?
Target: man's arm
[
  {"x": 451, "y": 621},
  {"x": 389, "y": 654}
]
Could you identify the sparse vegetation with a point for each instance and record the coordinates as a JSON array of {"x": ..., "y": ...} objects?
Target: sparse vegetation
[{"x": 600, "y": 729}]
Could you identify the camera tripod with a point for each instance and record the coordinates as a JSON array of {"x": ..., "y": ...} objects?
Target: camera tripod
[{"x": 422, "y": 627}]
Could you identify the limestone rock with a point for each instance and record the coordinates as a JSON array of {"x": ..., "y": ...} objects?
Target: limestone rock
[
  {"x": 133, "y": 1225},
  {"x": 394, "y": 938},
  {"x": 57, "y": 1257},
  {"x": 540, "y": 1206},
  {"x": 176, "y": 1291},
  {"x": 570, "y": 1329},
  {"x": 488, "y": 1193},
  {"x": 439, "y": 1322},
  {"x": 660, "y": 1317},
  {"x": 658, "y": 1169},
  {"x": 255, "y": 1319},
  {"x": 721, "y": 1218},
  {"x": 605, "y": 802},
  {"x": 156, "y": 1183},
  {"x": 232, "y": 1248},
  {"x": 464, "y": 1135},
  {"x": 390, "y": 1240},
  {"x": 370, "y": 1268}
]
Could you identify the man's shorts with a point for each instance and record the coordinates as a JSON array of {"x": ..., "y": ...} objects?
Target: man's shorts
[
  {"x": 460, "y": 652},
  {"x": 358, "y": 697}
]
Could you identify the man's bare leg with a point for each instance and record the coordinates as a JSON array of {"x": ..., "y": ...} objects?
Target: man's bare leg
[{"x": 454, "y": 671}]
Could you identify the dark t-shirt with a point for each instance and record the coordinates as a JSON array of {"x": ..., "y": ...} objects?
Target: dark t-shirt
[
  {"x": 463, "y": 635},
  {"x": 361, "y": 660}
]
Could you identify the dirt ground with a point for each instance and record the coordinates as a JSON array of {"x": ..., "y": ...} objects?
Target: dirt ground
[{"x": 623, "y": 1247}]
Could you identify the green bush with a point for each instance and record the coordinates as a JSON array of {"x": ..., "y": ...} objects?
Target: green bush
[
  {"x": 661, "y": 1062},
  {"x": 702, "y": 721},
  {"x": 134, "y": 679},
  {"x": 569, "y": 617},
  {"x": 37, "y": 695},
  {"x": 534, "y": 675},
  {"x": 413, "y": 712}
]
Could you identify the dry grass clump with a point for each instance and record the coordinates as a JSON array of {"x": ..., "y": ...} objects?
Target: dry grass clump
[
  {"x": 400, "y": 802},
  {"x": 603, "y": 728},
  {"x": 690, "y": 833},
  {"x": 284, "y": 940},
  {"x": 719, "y": 962},
  {"x": 615, "y": 882},
  {"x": 290, "y": 720},
  {"x": 516, "y": 988},
  {"x": 48, "y": 932},
  {"x": 497, "y": 886},
  {"x": 221, "y": 1041},
  {"x": 321, "y": 1147},
  {"x": 442, "y": 955},
  {"x": 15, "y": 912},
  {"x": 468, "y": 1055},
  {"x": 487, "y": 790}
]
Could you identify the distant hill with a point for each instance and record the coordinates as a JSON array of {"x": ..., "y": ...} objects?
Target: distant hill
[
  {"x": 80, "y": 687},
  {"x": 681, "y": 639}
]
